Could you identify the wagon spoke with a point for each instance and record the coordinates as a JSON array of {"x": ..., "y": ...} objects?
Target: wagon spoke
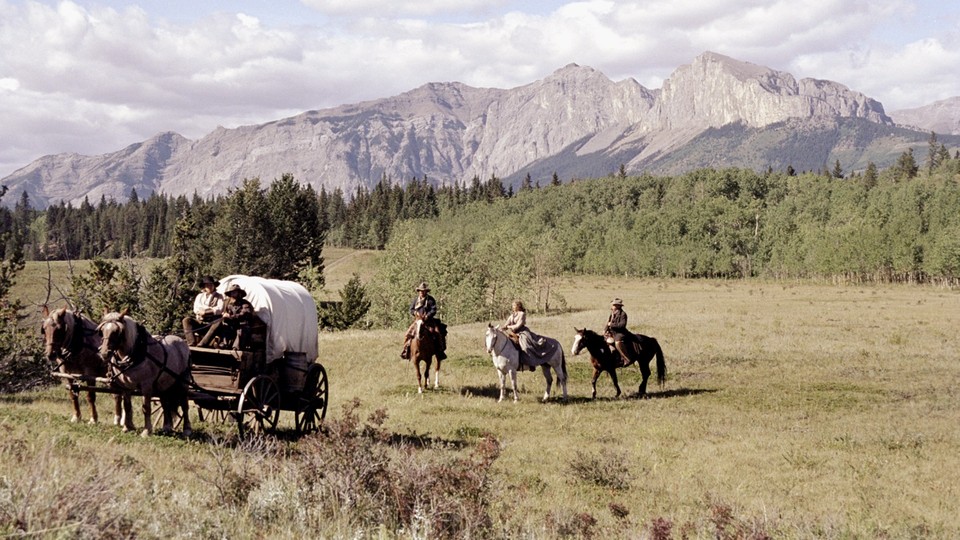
[{"x": 259, "y": 408}]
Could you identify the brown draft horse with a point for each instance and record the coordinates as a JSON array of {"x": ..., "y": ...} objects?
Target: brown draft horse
[
  {"x": 148, "y": 365},
  {"x": 603, "y": 358},
  {"x": 71, "y": 344},
  {"x": 423, "y": 348}
]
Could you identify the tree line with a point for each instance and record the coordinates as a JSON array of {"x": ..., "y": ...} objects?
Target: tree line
[
  {"x": 898, "y": 225},
  {"x": 147, "y": 227}
]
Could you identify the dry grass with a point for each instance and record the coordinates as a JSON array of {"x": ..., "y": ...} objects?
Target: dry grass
[{"x": 790, "y": 411}]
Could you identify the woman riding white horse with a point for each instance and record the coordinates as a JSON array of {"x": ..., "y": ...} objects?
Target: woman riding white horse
[{"x": 506, "y": 358}]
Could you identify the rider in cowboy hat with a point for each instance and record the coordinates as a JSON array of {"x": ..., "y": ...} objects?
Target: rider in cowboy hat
[
  {"x": 237, "y": 316},
  {"x": 424, "y": 306},
  {"x": 616, "y": 329}
]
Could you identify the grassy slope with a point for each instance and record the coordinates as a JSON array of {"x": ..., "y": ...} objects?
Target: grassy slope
[{"x": 806, "y": 410}]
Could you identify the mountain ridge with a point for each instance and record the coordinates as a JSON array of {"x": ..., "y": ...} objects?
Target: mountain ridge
[{"x": 575, "y": 122}]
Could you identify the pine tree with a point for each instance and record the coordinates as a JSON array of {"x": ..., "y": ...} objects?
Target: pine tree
[
  {"x": 837, "y": 170},
  {"x": 870, "y": 176},
  {"x": 526, "y": 184},
  {"x": 933, "y": 154},
  {"x": 906, "y": 167}
]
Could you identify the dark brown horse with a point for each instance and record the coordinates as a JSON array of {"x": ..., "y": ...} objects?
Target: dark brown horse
[
  {"x": 603, "y": 358},
  {"x": 71, "y": 344},
  {"x": 423, "y": 348}
]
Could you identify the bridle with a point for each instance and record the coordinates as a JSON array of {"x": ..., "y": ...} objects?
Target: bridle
[{"x": 493, "y": 339}]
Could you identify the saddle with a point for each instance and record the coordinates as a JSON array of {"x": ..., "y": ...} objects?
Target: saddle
[
  {"x": 515, "y": 338},
  {"x": 629, "y": 348}
]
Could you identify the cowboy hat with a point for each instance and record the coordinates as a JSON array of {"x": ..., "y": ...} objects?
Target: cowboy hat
[
  {"x": 234, "y": 288},
  {"x": 208, "y": 280},
  {"x": 423, "y": 287},
  {"x": 617, "y": 302}
]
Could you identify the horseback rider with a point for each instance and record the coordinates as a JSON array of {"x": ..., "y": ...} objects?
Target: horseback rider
[
  {"x": 424, "y": 307},
  {"x": 207, "y": 307},
  {"x": 616, "y": 330},
  {"x": 529, "y": 342}
]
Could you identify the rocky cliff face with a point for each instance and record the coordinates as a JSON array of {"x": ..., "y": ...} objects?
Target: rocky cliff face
[
  {"x": 450, "y": 132},
  {"x": 716, "y": 90}
]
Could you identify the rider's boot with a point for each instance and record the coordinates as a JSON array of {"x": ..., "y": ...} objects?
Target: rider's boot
[
  {"x": 405, "y": 353},
  {"x": 623, "y": 355}
]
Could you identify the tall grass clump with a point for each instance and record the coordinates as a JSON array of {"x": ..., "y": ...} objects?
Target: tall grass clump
[
  {"x": 47, "y": 490},
  {"x": 364, "y": 476}
]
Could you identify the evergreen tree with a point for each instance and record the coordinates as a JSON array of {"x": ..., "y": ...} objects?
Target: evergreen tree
[
  {"x": 906, "y": 167},
  {"x": 933, "y": 154},
  {"x": 243, "y": 232},
  {"x": 870, "y": 176},
  {"x": 353, "y": 306},
  {"x": 526, "y": 184},
  {"x": 622, "y": 172},
  {"x": 837, "y": 170},
  {"x": 21, "y": 361}
]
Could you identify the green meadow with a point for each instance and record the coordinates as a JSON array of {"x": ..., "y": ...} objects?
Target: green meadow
[{"x": 790, "y": 410}]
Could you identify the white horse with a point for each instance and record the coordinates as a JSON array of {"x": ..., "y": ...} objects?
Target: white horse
[{"x": 506, "y": 358}]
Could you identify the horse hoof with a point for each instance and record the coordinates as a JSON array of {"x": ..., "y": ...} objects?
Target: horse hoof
[
  {"x": 74, "y": 419},
  {"x": 92, "y": 421},
  {"x": 187, "y": 433},
  {"x": 145, "y": 433},
  {"x": 419, "y": 390}
]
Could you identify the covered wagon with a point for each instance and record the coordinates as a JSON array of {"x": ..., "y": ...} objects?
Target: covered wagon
[{"x": 276, "y": 370}]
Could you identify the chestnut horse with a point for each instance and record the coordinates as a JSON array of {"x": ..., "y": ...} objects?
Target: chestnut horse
[
  {"x": 148, "y": 365},
  {"x": 603, "y": 358},
  {"x": 423, "y": 348},
  {"x": 72, "y": 343}
]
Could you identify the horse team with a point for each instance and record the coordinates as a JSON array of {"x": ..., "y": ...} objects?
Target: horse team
[{"x": 120, "y": 349}]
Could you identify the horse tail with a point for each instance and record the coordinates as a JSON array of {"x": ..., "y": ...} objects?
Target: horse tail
[
  {"x": 563, "y": 363},
  {"x": 661, "y": 363}
]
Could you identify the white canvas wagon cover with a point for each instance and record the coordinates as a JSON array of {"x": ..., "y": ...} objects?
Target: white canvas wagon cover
[{"x": 288, "y": 310}]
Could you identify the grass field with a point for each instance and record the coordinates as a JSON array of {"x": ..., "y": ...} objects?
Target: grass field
[{"x": 791, "y": 410}]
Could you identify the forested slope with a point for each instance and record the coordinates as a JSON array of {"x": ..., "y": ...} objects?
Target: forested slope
[{"x": 731, "y": 223}]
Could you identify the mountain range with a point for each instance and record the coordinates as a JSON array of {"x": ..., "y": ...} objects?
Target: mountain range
[{"x": 576, "y": 123}]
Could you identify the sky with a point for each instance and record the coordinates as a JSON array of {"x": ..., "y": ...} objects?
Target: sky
[{"x": 92, "y": 77}]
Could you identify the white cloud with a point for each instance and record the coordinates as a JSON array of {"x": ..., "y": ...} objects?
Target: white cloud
[{"x": 94, "y": 79}]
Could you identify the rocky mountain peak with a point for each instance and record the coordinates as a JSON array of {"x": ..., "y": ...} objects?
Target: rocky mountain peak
[
  {"x": 940, "y": 116},
  {"x": 716, "y": 90},
  {"x": 575, "y": 121}
]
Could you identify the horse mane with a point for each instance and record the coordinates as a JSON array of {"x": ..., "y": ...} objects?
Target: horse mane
[
  {"x": 127, "y": 325},
  {"x": 587, "y": 333}
]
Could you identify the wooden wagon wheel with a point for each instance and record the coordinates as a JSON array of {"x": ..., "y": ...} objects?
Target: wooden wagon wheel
[
  {"x": 259, "y": 407},
  {"x": 205, "y": 414},
  {"x": 312, "y": 401}
]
